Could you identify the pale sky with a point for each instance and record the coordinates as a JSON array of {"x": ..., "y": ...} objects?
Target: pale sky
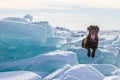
[{"x": 72, "y": 14}]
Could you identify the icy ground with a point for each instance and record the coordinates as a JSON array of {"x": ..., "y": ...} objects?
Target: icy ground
[{"x": 37, "y": 51}]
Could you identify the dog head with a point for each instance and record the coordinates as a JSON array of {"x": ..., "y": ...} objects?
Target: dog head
[{"x": 93, "y": 31}]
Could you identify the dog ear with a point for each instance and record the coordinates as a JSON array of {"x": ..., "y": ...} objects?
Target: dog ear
[
  {"x": 97, "y": 28},
  {"x": 88, "y": 28}
]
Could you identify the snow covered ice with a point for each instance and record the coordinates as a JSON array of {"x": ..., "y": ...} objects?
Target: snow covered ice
[
  {"x": 19, "y": 75},
  {"x": 42, "y": 63},
  {"x": 36, "y": 51},
  {"x": 82, "y": 72}
]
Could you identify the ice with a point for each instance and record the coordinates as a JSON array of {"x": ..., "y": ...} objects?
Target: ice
[
  {"x": 21, "y": 40},
  {"x": 106, "y": 52},
  {"x": 107, "y": 55},
  {"x": 28, "y": 17},
  {"x": 68, "y": 46},
  {"x": 106, "y": 69},
  {"x": 82, "y": 72},
  {"x": 10, "y": 30},
  {"x": 112, "y": 50},
  {"x": 77, "y": 34},
  {"x": 61, "y": 32},
  {"x": 110, "y": 55},
  {"x": 112, "y": 78},
  {"x": 82, "y": 56},
  {"x": 46, "y": 26},
  {"x": 117, "y": 72},
  {"x": 62, "y": 29},
  {"x": 48, "y": 62},
  {"x": 107, "y": 37},
  {"x": 55, "y": 53},
  {"x": 16, "y": 19},
  {"x": 57, "y": 73},
  {"x": 19, "y": 75},
  {"x": 55, "y": 41},
  {"x": 117, "y": 42}
]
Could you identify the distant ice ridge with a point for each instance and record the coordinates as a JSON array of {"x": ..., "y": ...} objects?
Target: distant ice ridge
[
  {"x": 15, "y": 19},
  {"x": 26, "y": 18},
  {"x": 19, "y": 75},
  {"x": 61, "y": 32}
]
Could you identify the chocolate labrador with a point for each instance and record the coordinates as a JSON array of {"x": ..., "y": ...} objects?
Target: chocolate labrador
[{"x": 91, "y": 41}]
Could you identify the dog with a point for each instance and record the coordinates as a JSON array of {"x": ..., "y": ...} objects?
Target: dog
[{"x": 91, "y": 41}]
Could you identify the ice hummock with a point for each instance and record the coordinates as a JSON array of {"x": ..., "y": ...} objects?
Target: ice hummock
[
  {"x": 112, "y": 78},
  {"x": 28, "y": 17},
  {"x": 19, "y": 75},
  {"x": 46, "y": 26},
  {"x": 46, "y": 63},
  {"x": 57, "y": 73},
  {"x": 10, "y": 30},
  {"x": 16, "y": 19},
  {"x": 106, "y": 69},
  {"x": 82, "y": 72},
  {"x": 102, "y": 69},
  {"x": 117, "y": 42},
  {"x": 25, "y": 38}
]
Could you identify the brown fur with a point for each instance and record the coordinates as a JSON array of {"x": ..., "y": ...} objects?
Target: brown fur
[{"x": 88, "y": 43}]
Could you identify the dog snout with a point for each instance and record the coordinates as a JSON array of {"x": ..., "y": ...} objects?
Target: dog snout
[{"x": 93, "y": 32}]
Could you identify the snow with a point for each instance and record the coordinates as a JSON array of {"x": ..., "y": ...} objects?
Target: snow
[
  {"x": 61, "y": 32},
  {"x": 112, "y": 78},
  {"x": 118, "y": 72},
  {"x": 16, "y": 19},
  {"x": 28, "y": 17},
  {"x": 117, "y": 42},
  {"x": 103, "y": 69},
  {"x": 82, "y": 72},
  {"x": 57, "y": 73},
  {"x": 112, "y": 50},
  {"x": 19, "y": 75},
  {"x": 106, "y": 69}
]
